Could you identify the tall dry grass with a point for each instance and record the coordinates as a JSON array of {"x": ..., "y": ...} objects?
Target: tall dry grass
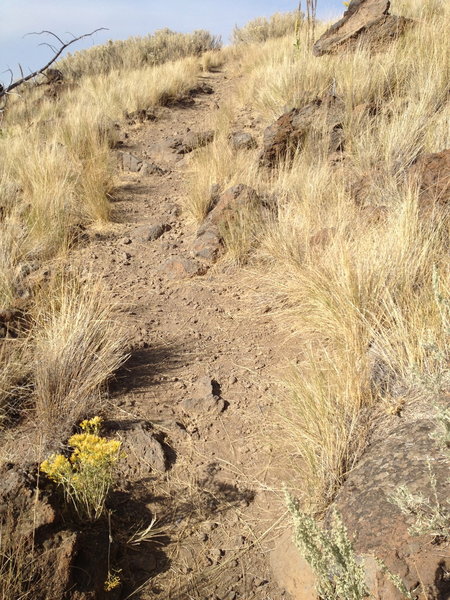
[
  {"x": 359, "y": 294},
  {"x": 77, "y": 345},
  {"x": 137, "y": 53},
  {"x": 262, "y": 29}
]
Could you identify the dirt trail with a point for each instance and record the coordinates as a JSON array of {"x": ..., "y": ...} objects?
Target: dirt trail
[{"x": 214, "y": 503}]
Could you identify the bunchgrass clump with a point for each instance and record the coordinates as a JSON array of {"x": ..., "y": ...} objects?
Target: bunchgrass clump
[
  {"x": 86, "y": 475},
  {"x": 77, "y": 346}
]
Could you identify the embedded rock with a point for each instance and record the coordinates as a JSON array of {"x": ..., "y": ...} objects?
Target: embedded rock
[
  {"x": 182, "y": 268},
  {"x": 149, "y": 168},
  {"x": 232, "y": 201},
  {"x": 432, "y": 172},
  {"x": 241, "y": 140},
  {"x": 205, "y": 399},
  {"x": 130, "y": 162},
  {"x": 142, "y": 450},
  {"x": 207, "y": 245},
  {"x": 140, "y": 116},
  {"x": 191, "y": 141},
  {"x": 368, "y": 21},
  {"x": 289, "y": 133},
  {"x": 150, "y": 233}
]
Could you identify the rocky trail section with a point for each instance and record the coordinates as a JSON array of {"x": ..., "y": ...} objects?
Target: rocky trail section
[{"x": 191, "y": 401}]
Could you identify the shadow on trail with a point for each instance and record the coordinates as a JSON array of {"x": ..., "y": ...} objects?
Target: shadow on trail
[{"x": 147, "y": 367}]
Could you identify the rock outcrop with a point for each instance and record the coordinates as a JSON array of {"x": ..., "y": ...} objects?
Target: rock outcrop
[
  {"x": 404, "y": 457},
  {"x": 365, "y": 21}
]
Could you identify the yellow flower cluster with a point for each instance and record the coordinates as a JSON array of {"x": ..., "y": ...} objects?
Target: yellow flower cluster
[
  {"x": 90, "y": 449},
  {"x": 86, "y": 475},
  {"x": 91, "y": 425},
  {"x": 112, "y": 582},
  {"x": 57, "y": 468}
]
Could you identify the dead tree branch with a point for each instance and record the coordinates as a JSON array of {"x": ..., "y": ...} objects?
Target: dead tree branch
[{"x": 57, "y": 53}]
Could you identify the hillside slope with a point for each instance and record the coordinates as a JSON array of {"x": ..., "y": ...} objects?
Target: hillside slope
[{"x": 251, "y": 246}]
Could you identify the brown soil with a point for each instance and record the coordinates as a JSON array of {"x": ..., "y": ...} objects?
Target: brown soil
[{"x": 220, "y": 504}]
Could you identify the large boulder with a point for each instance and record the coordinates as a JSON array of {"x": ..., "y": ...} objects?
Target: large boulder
[
  {"x": 290, "y": 131},
  {"x": 405, "y": 455},
  {"x": 366, "y": 21}
]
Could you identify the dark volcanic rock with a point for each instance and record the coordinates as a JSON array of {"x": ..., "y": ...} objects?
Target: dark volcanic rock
[
  {"x": 378, "y": 527},
  {"x": 289, "y": 132},
  {"x": 364, "y": 20}
]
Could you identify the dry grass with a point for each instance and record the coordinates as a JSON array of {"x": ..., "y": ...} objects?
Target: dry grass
[
  {"x": 77, "y": 346},
  {"x": 362, "y": 302},
  {"x": 262, "y": 29},
  {"x": 56, "y": 179},
  {"x": 138, "y": 53},
  {"x": 213, "y": 60},
  {"x": 19, "y": 573},
  {"x": 13, "y": 372}
]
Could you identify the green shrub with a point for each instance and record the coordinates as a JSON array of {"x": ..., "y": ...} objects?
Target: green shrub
[
  {"x": 137, "y": 52},
  {"x": 330, "y": 555}
]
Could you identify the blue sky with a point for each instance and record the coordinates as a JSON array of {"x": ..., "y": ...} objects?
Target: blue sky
[{"x": 124, "y": 18}]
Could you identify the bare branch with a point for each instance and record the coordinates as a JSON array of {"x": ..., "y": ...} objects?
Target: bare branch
[
  {"x": 45, "y": 31},
  {"x": 57, "y": 53},
  {"x": 52, "y": 48}
]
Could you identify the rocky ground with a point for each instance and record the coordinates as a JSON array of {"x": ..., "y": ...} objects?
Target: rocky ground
[{"x": 204, "y": 351}]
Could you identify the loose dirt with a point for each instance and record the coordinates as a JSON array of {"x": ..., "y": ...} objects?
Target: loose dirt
[{"x": 219, "y": 505}]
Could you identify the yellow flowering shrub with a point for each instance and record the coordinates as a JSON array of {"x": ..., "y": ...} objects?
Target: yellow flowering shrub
[{"x": 86, "y": 475}]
